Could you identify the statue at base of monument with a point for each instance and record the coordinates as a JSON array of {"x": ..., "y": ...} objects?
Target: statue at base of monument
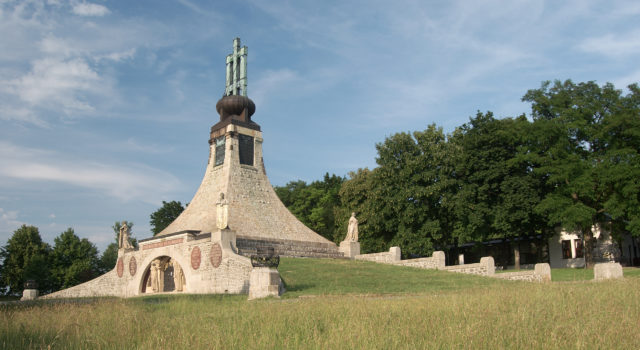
[
  {"x": 222, "y": 209},
  {"x": 178, "y": 276},
  {"x": 352, "y": 230},
  {"x": 123, "y": 238},
  {"x": 157, "y": 275}
]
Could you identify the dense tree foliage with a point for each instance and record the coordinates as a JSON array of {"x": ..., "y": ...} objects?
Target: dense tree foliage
[
  {"x": 587, "y": 147},
  {"x": 165, "y": 215},
  {"x": 314, "y": 204},
  {"x": 24, "y": 257},
  {"x": 573, "y": 165},
  {"x": 73, "y": 260}
]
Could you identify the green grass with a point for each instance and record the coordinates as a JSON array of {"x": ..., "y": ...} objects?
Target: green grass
[
  {"x": 355, "y": 305},
  {"x": 324, "y": 276}
]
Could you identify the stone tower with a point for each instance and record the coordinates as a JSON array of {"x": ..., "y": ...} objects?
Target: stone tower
[{"x": 236, "y": 170}]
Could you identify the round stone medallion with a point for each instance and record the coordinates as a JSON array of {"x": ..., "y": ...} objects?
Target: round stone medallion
[
  {"x": 120, "y": 267},
  {"x": 133, "y": 266},
  {"x": 216, "y": 255},
  {"x": 196, "y": 257}
]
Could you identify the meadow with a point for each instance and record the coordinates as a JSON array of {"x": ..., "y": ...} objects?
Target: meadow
[{"x": 340, "y": 304}]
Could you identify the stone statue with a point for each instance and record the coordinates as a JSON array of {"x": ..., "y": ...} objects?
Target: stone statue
[
  {"x": 237, "y": 70},
  {"x": 123, "y": 238},
  {"x": 153, "y": 275},
  {"x": 157, "y": 274},
  {"x": 178, "y": 276},
  {"x": 222, "y": 209},
  {"x": 352, "y": 230}
]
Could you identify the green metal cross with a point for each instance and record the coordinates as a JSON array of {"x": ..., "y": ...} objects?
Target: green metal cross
[{"x": 237, "y": 70}]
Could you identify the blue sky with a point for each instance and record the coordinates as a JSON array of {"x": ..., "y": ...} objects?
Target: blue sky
[{"x": 105, "y": 106}]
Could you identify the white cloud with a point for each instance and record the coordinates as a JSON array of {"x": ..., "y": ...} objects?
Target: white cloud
[
  {"x": 62, "y": 85},
  {"x": 126, "y": 181},
  {"x": 613, "y": 45},
  {"x": 89, "y": 9}
]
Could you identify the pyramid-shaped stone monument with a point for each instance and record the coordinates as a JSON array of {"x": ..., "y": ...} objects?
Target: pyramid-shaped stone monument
[{"x": 234, "y": 214}]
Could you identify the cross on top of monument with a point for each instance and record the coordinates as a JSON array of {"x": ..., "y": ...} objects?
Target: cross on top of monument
[{"x": 237, "y": 70}]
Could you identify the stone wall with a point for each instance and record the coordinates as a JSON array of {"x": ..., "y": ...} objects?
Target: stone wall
[
  {"x": 486, "y": 267},
  {"x": 391, "y": 257},
  {"x": 248, "y": 246},
  {"x": 436, "y": 261},
  {"x": 209, "y": 264},
  {"x": 540, "y": 273}
]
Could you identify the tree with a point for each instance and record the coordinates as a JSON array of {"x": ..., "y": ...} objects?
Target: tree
[
  {"x": 497, "y": 189},
  {"x": 73, "y": 260},
  {"x": 587, "y": 150},
  {"x": 165, "y": 215},
  {"x": 24, "y": 257},
  {"x": 314, "y": 204},
  {"x": 109, "y": 258},
  {"x": 404, "y": 200}
]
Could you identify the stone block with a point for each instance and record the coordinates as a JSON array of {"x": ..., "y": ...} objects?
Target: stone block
[
  {"x": 490, "y": 265},
  {"x": 264, "y": 282},
  {"x": 395, "y": 253},
  {"x": 440, "y": 259},
  {"x": 544, "y": 271},
  {"x": 29, "y": 294},
  {"x": 349, "y": 249},
  {"x": 606, "y": 271}
]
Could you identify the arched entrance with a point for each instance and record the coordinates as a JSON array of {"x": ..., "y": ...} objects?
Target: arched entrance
[{"x": 163, "y": 275}]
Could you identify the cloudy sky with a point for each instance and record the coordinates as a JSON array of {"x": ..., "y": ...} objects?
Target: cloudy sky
[{"x": 105, "y": 106}]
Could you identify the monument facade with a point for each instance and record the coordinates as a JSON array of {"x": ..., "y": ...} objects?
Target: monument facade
[{"x": 234, "y": 214}]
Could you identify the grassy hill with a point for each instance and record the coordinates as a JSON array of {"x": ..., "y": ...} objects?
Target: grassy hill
[{"x": 340, "y": 304}]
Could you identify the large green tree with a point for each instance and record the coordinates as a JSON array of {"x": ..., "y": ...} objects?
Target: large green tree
[
  {"x": 73, "y": 260},
  {"x": 165, "y": 215},
  {"x": 404, "y": 201},
  {"x": 314, "y": 204},
  {"x": 587, "y": 149},
  {"x": 24, "y": 257},
  {"x": 497, "y": 190}
]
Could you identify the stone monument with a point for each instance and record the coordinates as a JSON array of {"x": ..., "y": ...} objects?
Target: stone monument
[
  {"x": 350, "y": 247},
  {"x": 234, "y": 214}
]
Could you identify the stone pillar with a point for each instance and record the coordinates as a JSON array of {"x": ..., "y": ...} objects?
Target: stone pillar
[
  {"x": 490, "y": 265},
  {"x": 604, "y": 271},
  {"x": 544, "y": 271},
  {"x": 30, "y": 290},
  {"x": 461, "y": 259},
  {"x": 349, "y": 249},
  {"x": 29, "y": 294},
  {"x": 440, "y": 258},
  {"x": 265, "y": 282},
  {"x": 396, "y": 254}
]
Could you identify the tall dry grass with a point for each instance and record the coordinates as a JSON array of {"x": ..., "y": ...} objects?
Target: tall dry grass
[{"x": 499, "y": 314}]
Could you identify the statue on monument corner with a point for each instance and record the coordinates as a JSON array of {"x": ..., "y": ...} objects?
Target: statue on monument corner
[
  {"x": 123, "y": 238},
  {"x": 222, "y": 209},
  {"x": 352, "y": 230}
]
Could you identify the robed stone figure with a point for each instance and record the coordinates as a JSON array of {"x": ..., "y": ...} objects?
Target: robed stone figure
[
  {"x": 352, "y": 230},
  {"x": 123, "y": 238},
  {"x": 222, "y": 211}
]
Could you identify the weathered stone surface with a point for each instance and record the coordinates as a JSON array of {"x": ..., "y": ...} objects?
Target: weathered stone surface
[
  {"x": 254, "y": 210},
  {"x": 231, "y": 276},
  {"x": 544, "y": 271},
  {"x": 604, "y": 271},
  {"x": 265, "y": 282},
  {"x": 29, "y": 294},
  {"x": 391, "y": 257},
  {"x": 349, "y": 248}
]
